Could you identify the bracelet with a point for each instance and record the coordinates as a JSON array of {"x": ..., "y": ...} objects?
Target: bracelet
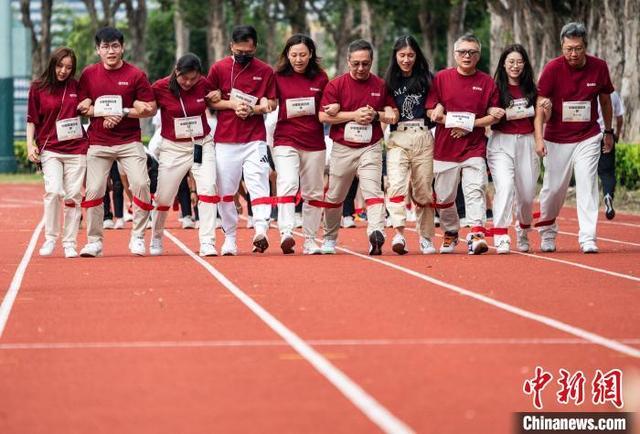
[
  {"x": 194, "y": 192},
  {"x": 609, "y": 131}
]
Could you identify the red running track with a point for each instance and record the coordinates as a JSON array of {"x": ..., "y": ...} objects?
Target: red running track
[{"x": 439, "y": 344}]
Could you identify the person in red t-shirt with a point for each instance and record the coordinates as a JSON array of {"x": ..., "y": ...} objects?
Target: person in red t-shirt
[
  {"x": 56, "y": 139},
  {"x": 248, "y": 92},
  {"x": 574, "y": 82},
  {"x": 187, "y": 144},
  {"x": 511, "y": 153},
  {"x": 115, "y": 94},
  {"x": 463, "y": 101},
  {"x": 357, "y": 143},
  {"x": 299, "y": 149}
]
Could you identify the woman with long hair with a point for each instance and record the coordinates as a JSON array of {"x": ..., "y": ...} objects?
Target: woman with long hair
[
  {"x": 511, "y": 151},
  {"x": 299, "y": 148},
  {"x": 187, "y": 144},
  {"x": 57, "y": 141},
  {"x": 410, "y": 145}
]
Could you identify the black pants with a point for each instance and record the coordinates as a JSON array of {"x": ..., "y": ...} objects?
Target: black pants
[
  {"x": 607, "y": 171},
  {"x": 348, "y": 206},
  {"x": 184, "y": 197},
  {"x": 118, "y": 195}
]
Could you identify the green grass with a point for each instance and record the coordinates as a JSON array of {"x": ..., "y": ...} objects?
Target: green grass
[{"x": 20, "y": 178}]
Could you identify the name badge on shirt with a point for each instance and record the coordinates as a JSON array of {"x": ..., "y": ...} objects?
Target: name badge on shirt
[
  {"x": 417, "y": 123},
  {"x": 69, "y": 129},
  {"x": 297, "y": 107},
  {"x": 356, "y": 133},
  {"x": 188, "y": 127},
  {"x": 107, "y": 105},
  {"x": 238, "y": 95},
  {"x": 463, "y": 120},
  {"x": 519, "y": 110},
  {"x": 576, "y": 111}
]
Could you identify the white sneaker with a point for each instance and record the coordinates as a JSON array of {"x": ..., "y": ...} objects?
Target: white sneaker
[
  {"x": 348, "y": 222},
  {"x": 426, "y": 246},
  {"x": 229, "y": 247},
  {"x": 47, "y": 248},
  {"x": 187, "y": 222},
  {"x": 107, "y": 224},
  {"x": 311, "y": 247},
  {"x": 119, "y": 224},
  {"x": 260, "y": 242},
  {"x": 502, "y": 244},
  {"x": 589, "y": 247},
  {"x": 297, "y": 220},
  {"x": 155, "y": 247},
  {"x": 137, "y": 247},
  {"x": 70, "y": 252},
  {"x": 449, "y": 242},
  {"x": 128, "y": 217},
  {"x": 522, "y": 239},
  {"x": 548, "y": 245},
  {"x": 328, "y": 247},
  {"x": 399, "y": 244},
  {"x": 208, "y": 249},
  {"x": 476, "y": 244},
  {"x": 92, "y": 250},
  {"x": 287, "y": 243},
  {"x": 249, "y": 222}
]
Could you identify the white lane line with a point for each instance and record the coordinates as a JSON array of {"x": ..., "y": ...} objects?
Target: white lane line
[
  {"x": 314, "y": 342},
  {"x": 14, "y": 287},
  {"x": 606, "y": 222},
  {"x": 547, "y": 257},
  {"x": 375, "y": 411},
  {"x": 610, "y": 240},
  {"x": 553, "y": 323}
]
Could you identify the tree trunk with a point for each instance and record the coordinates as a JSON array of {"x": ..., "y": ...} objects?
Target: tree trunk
[
  {"x": 427, "y": 29},
  {"x": 456, "y": 27},
  {"x": 181, "y": 30},
  {"x": 366, "y": 25},
  {"x": 630, "y": 88},
  {"x": 216, "y": 32},
  {"x": 238, "y": 11},
  {"x": 137, "y": 20},
  {"x": 40, "y": 44},
  {"x": 296, "y": 14},
  {"x": 343, "y": 36}
]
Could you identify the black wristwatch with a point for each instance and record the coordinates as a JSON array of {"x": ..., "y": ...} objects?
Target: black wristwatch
[
  {"x": 376, "y": 117},
  {"x": 610, "y": 131}
]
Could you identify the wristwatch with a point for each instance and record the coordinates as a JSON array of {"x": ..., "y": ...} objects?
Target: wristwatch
[
  {"x": 609, "y": 131},
  {"x": 125, "y": 112}
]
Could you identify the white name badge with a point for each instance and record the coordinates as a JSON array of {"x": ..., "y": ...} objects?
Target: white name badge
[
  {"x": 463, "y": 120},
  {"x": 412, "y": 124},
  {"x": 186, "y": 128},
  {"x": 108, "y": 105},
  {"x": 356, "y": 133},
  {"x": 519, "y": 110},
  {"x": 69, "y": 129},
  {"x": 301, "y": 107},
  {"x": 576, "y": 111},
  {"x": 238, "y": 95}
]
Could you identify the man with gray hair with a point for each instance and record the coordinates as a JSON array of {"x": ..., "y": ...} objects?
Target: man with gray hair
[
  {"x": 574, "y": 82},
  {"x": 462, "y": 101},
  {"x": 363, "y": 102}
]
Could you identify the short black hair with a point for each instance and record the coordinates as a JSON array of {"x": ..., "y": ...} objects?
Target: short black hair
[
  {"x": 359, "y": 45},
  {"x": 109, "y": 34},
  {"x": 244, "y": 34}
]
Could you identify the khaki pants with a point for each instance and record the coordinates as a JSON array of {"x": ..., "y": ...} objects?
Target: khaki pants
[
  {"x": 63, "y": 180},
  {"x": 410, "y": 160},
  {"x": 302, "y": 170},
  {"x": 346, "y": 162},
  {"x": 474, "y": 184},
  {"x": 176, "y": 159},
  {"x": 133, "y": 159}
]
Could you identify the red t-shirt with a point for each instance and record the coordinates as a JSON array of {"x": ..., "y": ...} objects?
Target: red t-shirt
[
  {"x": 352, "y": 94},
  {"x": 130, "y": 83},
  {"x": 256, "y": 79},
  {"x": 170, "y": 107},
  {"x": 44, "y": 106},
  {"x": 462, "y": 93},
  {"x": 561, "y": 83},
  {"x": 515, "y": 126},
  {"x": 301, "y": 132}
]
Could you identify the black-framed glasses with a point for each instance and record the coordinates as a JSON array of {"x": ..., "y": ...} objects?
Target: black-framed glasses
[{"x": 467, "y": 53}]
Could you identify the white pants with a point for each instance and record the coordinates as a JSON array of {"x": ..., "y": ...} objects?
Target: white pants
[
  {"x": 561, "y": 161},
  {"x": 175, "y": 161},
  {"x": 233, "y": 160},
  {"x": 474, "y": 183},
  {"x": 63, "y": 181},
  {"x": 514, "y": 168},
  {"x": 302, "y": 170}
]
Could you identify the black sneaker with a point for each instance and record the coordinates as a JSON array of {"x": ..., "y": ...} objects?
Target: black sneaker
[
  {"x": 376, "y": 240},
  {"x": 609, "y": 212}
]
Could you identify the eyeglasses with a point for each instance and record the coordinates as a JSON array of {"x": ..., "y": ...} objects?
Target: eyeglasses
[
  {"x": 357, "y": 65},
  {"x": 576, "y": 50},
  {"x": 114, "y": 46},
  {"x": 465, "y": 53}
]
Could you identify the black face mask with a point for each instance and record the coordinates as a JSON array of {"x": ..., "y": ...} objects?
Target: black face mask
[{"x": 242, "y": 59}]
